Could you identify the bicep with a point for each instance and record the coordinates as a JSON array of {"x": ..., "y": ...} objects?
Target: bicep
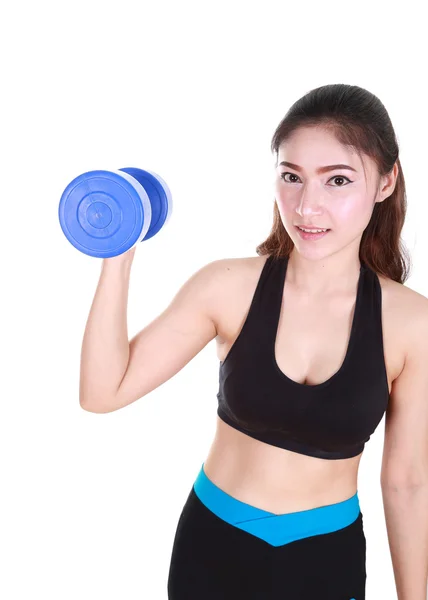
[
  {"x": 405, "y": 452},
  {"x": 167, "y": 344}
]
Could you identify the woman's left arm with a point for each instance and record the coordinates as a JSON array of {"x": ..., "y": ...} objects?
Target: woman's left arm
[
  {"x": 404, "y": 474},
  {"x": 406, "y": 516}
]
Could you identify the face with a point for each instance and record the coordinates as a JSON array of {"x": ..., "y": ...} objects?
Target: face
[{"x": 340, "y": 199}]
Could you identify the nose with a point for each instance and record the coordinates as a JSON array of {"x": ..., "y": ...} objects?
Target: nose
[{"x": 311, "y": 200}]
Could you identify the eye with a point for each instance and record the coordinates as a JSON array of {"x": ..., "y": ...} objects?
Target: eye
[{"x": 334, "y": 177}]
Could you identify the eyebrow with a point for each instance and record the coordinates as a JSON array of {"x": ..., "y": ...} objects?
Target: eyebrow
[{"x": 320, "y": 169}]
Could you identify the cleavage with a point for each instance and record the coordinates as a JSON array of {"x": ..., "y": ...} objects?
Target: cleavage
[{"x": 313, "y": 337}]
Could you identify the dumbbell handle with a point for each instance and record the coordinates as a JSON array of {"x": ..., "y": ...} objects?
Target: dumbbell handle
[{"x": 126, "y": 257}]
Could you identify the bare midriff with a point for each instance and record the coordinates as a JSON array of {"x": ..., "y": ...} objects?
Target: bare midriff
[{"x": 274, "y": 479}]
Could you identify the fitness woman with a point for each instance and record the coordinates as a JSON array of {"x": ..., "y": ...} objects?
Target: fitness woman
[{"x": 317, "y": 338}]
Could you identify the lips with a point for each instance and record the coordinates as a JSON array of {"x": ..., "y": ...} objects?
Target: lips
[
  {"x": 311, "y": 228},
  {"x": 311, "y": 236}
]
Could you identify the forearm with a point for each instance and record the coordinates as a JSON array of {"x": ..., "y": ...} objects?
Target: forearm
[
  {"x": 406, "y": 517},
  {"x": 105, "y": 347}
]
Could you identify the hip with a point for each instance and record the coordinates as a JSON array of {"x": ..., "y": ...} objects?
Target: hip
[{"x": 230, "y": 549}]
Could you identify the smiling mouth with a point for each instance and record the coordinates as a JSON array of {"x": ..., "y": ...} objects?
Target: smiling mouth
[{"x": 314, "y": 230}]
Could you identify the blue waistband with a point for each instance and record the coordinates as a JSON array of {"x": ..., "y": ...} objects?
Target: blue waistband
[{"x": 276, "y": 529}]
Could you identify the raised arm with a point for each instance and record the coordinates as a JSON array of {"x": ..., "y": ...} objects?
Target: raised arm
[{"x": 116, "y": 372}]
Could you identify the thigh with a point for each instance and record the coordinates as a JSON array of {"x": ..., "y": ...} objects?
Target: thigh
[{"x": 213, "y": 560}]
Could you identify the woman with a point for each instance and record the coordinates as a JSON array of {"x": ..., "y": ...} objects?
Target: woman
[{"x": 274, "y": 512}]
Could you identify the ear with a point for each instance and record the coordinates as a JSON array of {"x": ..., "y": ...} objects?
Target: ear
[{"x": 388, "y": 183}]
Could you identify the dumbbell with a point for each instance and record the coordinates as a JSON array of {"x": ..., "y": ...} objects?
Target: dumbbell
[{"x": 105, "y": 213}]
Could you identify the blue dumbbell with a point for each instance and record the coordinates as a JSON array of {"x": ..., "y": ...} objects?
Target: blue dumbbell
[{"x": 105, "y": 213}]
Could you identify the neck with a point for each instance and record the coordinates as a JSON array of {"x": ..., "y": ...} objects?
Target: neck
[{"x": 328, "y": 275}]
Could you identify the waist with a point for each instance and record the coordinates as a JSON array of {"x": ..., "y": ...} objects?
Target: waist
[
  {"x": 277, "y": 529},
  {"x": 275, "y": 479}
]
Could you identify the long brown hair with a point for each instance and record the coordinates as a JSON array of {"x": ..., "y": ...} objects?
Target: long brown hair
[{"x": 358, "y": 119}]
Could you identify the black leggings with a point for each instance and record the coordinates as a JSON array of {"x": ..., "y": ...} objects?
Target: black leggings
[{"x": 213, "y": 559}]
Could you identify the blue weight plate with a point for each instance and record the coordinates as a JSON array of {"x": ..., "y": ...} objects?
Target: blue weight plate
[
  {"x": 160, "y": 198},
  {"x": 104, "y": 213}
]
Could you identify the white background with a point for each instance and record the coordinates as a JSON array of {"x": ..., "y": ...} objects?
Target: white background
[{"x": 194, "y": 92}]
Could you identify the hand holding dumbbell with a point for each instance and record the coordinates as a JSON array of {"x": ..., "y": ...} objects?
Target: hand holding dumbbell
[{"x": 106, "y": 213}]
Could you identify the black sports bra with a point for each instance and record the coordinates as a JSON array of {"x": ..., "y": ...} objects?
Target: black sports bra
[{"x": 331, "y": 420}]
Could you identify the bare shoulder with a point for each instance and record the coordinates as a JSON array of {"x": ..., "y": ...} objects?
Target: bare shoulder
[
  {"x": 408, "y": 301},
  {"x": 235, "y": 281},
  {"x": 237, "y": 268},
  {"x": 217, "y": 276},
  {"x": 406, "y": 309},
  {"x": 235, "y": 272}
]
